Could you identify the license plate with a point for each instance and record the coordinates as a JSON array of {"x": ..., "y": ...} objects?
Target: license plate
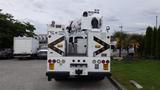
[
  {"x": 51, "y": 66},
  {"x": 105, "y": 66}
]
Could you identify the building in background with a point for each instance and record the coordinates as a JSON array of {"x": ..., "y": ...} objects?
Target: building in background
[{"x": 115, "y": 51}]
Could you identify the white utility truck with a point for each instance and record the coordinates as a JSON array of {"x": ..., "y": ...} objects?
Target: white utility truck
[
  {"x": 81, "y": 49},
  {"x": 25, "y": 47}
]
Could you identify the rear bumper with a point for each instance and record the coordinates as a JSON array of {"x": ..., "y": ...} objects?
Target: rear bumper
[
  {"x": 99, "y": 74},
  {"x": 56, "y": 74}
]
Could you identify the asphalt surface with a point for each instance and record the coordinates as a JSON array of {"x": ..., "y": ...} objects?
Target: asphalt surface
[{"x": 30, "y": 75}]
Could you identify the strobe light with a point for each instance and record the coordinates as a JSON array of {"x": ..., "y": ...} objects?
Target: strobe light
[{"x": 94, "y": 23}]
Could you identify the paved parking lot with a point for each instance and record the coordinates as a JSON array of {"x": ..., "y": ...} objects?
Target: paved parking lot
[{"x": 30, "y": 75}]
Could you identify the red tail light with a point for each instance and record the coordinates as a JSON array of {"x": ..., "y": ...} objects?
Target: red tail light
[
  {"x": 103, "y": 61},
  {"x": 49, "y": 61},
  {"x": 54, "y": 61},
  {"x": 107, "y": 61}
]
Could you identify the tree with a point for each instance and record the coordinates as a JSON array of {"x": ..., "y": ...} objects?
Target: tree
[
  {"x": 137, "y": 42},
  {"x": 159, "y": 43},
  {"x": 157, "y": 51},
  {"x": 9, "y": 28},
  {"x": 147, "y": 48},
  {"x": 30, "y": 29},
  {"x": 153, "y": 42},
  {"x": 121, "y": 39}
]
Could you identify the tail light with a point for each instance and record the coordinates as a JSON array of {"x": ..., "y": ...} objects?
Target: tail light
[
  {"x": 49, "y": 61},
  {"x": 107, "y": 61},
  {"x": 54, "y": 61},
  {"x": 103, "y": 61},
  {"x": 63, "y": 61},
  {"x": 94, "y": 61},
  {"x": 51, "y": 64},
  {"x": 99, "y": 61},
  {"x": 58, "y": 60}
]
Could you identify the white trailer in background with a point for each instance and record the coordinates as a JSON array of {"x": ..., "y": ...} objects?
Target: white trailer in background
[
  {"x": 25, "y": 47},
  {"x": 80, "y": 50}
]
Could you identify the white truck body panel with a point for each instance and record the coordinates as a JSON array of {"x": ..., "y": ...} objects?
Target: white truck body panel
[
  {"x": 91, "y": 45},
  {"x": 80, "y": 43},
  {"x": 25, "y": 45}
]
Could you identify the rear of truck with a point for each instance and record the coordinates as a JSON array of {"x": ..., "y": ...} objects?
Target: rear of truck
[
  {"x": 94, "y": 62},
  {"x": 80, "y": 50},
  {"x": 25, "y": 47}
]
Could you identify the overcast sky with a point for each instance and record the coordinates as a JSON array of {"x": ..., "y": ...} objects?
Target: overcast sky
[{"x": 134, "y": 15}]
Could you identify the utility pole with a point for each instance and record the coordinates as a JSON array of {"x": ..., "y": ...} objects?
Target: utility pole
[
  {"x": 121, "y": 27},
  {"x": 156, "y": 21}
]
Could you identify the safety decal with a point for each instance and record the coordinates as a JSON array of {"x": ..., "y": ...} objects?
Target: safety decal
[
  {"x": 104, "y": 44},
  {"x": 52, "y": 45}
]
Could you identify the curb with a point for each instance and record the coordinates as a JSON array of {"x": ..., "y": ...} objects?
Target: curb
[{"x": 116, "y": 84}]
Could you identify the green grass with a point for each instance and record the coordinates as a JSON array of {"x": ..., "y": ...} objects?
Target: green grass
[{"x": 145, "y": 72}]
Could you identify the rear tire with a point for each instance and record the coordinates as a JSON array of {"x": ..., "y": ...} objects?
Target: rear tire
[
  {"x": 100, "y": 78},
  {"x": 49, "y": 79},
  {"x": 97, "y": 78},
  {"x": 58, "y": 79}
]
